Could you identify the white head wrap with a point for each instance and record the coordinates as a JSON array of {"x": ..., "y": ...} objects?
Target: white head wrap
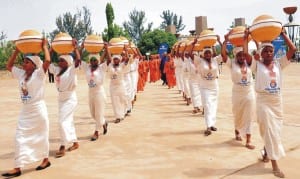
[
  {"x": 68, "y": 58},
  {"x": 236, "y": 50},
  {"x": 97, "y": 56},
  {"x": 263, "y": 45},
  {"x": 117, "y": 56},
  {"x": 36, "y": 60},
  {"x": 207, "y": 49}
]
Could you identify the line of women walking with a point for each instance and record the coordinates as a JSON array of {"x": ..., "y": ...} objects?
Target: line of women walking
[
  {"x": 32, "y": 134},
  {"x": 261, "y": 96}
]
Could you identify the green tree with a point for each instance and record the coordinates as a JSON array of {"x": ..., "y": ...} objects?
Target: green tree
[
  {"x": 150, "y": 41},
  {"x": 112, "y": 29},
  {"x": 170, "y": 18},
  {"x": 77, "y": 25},
  {"x": 135, "y": 25},
  {"x": 6, "y": 49},
  {"x": 2, "y": 38},
  {"x": 117, "y": 32},
  {"x": 110, "y": 17}
]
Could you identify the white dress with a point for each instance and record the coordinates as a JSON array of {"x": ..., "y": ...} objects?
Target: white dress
[
  {"x": 194, "y": 82},
  {"x": 117, "y": 89},
  {"x": 178, "y": 73},
  {"x": 243, "y": 97},
  {"x": 185, "y": 71},
  {"x": 32, "y": 134},
  {"x": 97, "y": 96},
  {"x": 128, "y": 88},
  {"x": 209, "y": 88},
  {"x": 134, "y": 74},
  {"x": 67, "y": 102},
  {"x": 269, "y": 106}
]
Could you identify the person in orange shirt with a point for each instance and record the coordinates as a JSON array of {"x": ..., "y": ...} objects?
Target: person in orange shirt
[
  {"x": 157, "y": 65},
  {"x": 146, "y": 69},
  {"x": 152, "y": 68},
  {"x": 169, "y": 70},
  {"x": 141, "y": 69}
]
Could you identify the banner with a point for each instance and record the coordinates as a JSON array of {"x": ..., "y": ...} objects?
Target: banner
[
  {"x": 279, "y": 47},
  {"x": 163, "y": 48}
]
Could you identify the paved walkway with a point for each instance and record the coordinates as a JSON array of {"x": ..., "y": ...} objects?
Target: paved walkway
[{"x": 161, "y": 138}]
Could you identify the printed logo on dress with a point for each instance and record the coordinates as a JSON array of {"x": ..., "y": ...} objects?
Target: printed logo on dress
[
  {"x": 114, "y": 76},
  {"x": 25, "y": 97},
  {"x": 244, "y": 81},
  {"x": 92, "y": 83},
  {"x": 209, "y": 76},
  {"x": 273, "y": 88}
]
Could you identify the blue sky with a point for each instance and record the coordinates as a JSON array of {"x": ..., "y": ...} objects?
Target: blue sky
[{"x": 18, "y": 15}]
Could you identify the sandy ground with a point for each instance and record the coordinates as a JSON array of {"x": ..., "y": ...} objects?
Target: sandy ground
[{"x": 161, "y": 138}]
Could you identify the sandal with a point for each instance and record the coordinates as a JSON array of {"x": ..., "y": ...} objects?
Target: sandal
[
  {"x": 249, "y": 146},
  {"x": 194, "y": 111},
  {"x": 105, "y": 128},
  {"x": 12, "y": 174},
  {"x": 117, "y": 120},
  {"x": 43, "y": 166},
  {"x": 95, "y": 136},
  {"x": 60, "y": 152},
  {"x": 213, "y": 128},
  {"x": 264, "y": 156},
  {"x": 207, "y": 132},
  {"x": 278, "y": 173},
  {"x": 237, "y": 135},
  {"x": 238, "y": 138},
  {"x": 73, "y": 147}
]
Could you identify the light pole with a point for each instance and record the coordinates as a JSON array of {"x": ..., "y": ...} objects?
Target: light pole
[
  {"x": 147, "y": 55},
  {"x": 293, "y": 29}
]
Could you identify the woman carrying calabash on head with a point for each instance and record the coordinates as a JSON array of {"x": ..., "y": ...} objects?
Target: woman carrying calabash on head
[
  {"x": 128, "y": 83},
  {"x": 116, "y": 70},
  {"x": 208, "y": 69},
  {"x": 243, "y": 95},
  {"x": 268, "y": 73},
  {"x": 194, "y": 80},
  {"x": 134, "y": 74},
  {"x": 95, "y": 74},
  {"x": 186, "y": 60},
  {"x": 32, "y": 133},
  {"x": 66, "y": 82},
  {"x": 178, "y": 70}
]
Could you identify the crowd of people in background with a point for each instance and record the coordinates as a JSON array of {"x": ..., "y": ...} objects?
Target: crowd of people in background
[{"x": 194, "y": 73}]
